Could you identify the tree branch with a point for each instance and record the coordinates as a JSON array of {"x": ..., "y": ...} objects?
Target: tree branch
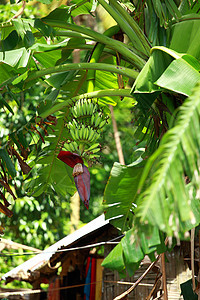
[
  {"x": 117, "y": 138},
  {"x": 126, "y": 293}
]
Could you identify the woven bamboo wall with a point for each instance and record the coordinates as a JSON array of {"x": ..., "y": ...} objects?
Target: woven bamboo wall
[{"x": 177, "y": 272}]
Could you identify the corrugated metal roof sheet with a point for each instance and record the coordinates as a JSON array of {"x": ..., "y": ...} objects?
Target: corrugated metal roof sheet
[{"x": 42, "y": 258}]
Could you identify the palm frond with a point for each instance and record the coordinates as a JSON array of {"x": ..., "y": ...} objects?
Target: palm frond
[{"x": 169, "y": 202}]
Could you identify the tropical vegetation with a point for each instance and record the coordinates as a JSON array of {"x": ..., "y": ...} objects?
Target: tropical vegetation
[{"x": 149, "y": 58}]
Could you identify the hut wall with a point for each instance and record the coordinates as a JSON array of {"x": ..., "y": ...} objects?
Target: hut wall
[{"x": 177, "y": 272}]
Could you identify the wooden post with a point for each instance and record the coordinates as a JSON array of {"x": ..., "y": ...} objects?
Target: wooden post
[
  {"x": 199, "y": 268},
  {"x": 192, "y": 258},
  {"x": 99, "y": 278},
  {"x": 75, "y": 212},
  {"x": 164, "y": 278},
  {"x": 117, "y": 138}
]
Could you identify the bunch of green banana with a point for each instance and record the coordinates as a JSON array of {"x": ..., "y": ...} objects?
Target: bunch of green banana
[
  {"x": 83, "y": 107},
  {"x": 88, "y": 113},
  {"x": 87, "y": 118},
  {"x": 83, "y": 133}
]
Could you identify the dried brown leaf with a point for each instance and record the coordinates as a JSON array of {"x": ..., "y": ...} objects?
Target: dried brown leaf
[
  {"x": 6, "y": 186},
  {"x": 5, "y": 210}
]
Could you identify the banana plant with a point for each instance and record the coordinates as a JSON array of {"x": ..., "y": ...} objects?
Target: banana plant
[{"x": 144, "y": 58}]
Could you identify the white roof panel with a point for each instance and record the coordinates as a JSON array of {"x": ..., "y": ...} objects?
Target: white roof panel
[{"x": 42, "y": 258}]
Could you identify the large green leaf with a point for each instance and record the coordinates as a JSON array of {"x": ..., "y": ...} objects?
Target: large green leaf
[
  {"x": 180, "y": 72},
  {"x": 189, "y": 28},
  {"x": 24, "y": 31},
  {"x": 168, "y": 202},
  {"x": 165, "y": 70},
  {"x": 121, "y": 193},
  {"x": 51, "y": 55},
  {"x": 48, "y": 59},
  {"x": 115, "y": 260},
  {"x": 15, "y": 58},
  {"x": 51, "y": 175},
  {"x": 69, "y": 82},
  {"x": 61, "y": 13},
  {"x": 144, "y": 89},
  {"x": 147, "y": 86},
  {"x": 106, "y": 80},
  {"x": 136, "y": 243},
  {"x": 12, "y": 63}
]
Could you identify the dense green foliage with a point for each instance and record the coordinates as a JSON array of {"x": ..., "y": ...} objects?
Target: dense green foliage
[{"x": 142, "y": 61}]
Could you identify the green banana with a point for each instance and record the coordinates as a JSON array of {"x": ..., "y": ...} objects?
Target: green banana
[
  {"x": 90, "y": 134},
  {"x": 102, "y": 124},
  {"x": 76, "y": 133},
  {"x": 97, "y": 120},
  {"x": 75, "y": 146},
  {"x": 84, "y": 106},
  {"x": 92, "y": 119},
  {"x": 73, "y": 134},
  {"x": 86, "y": 133},
  {"x": 82, "y": 132}
]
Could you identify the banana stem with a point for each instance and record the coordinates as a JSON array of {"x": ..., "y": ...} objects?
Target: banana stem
[
  {"x": 118, "y": 46},
  {"x": 95, "y": 94},
  {"x": 82, "y": 66},
  {"x": 143, "y": 41},
  {"x": 114, "y": 11}
]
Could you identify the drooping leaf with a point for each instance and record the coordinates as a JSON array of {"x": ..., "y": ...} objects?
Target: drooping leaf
[
  {"x": 40, "y": 47},
  {"x": 136, "y": 243},
  {"x": 121, "y": 193},
  {"x": 12, "y": 63},
  {"x": 178, "y": 73},
  {"x": 5, "y": 31},
  {"x": 165, "y": 70},
  {"x": 115, "y": 260},
  {"x": 48, "y": 59},
  {"x": 144, "y": 89},
  {"x": 51, "y": 55},
  {"x": 8, "y": 162},
  {"x": 43, "y": 28},
  {"x": 11, "y": 40}
]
